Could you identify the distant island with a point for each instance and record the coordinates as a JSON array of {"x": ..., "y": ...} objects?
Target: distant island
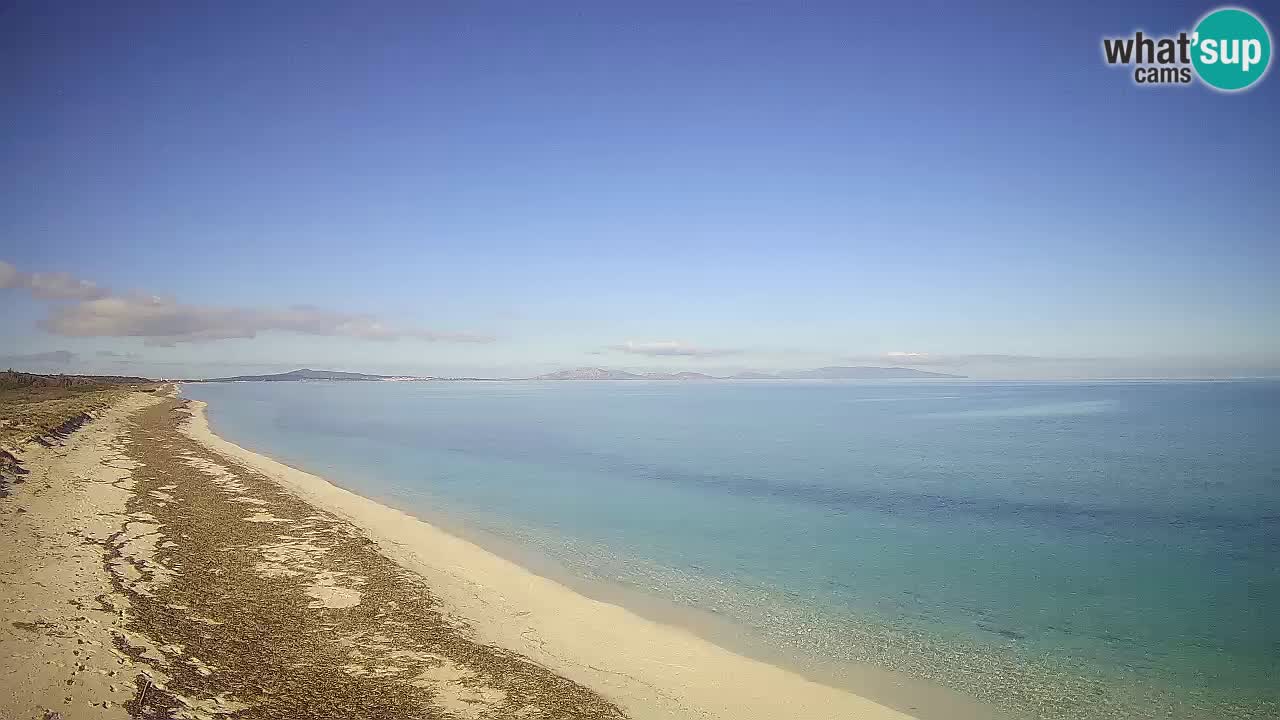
[{"x": 596, "y": 373}]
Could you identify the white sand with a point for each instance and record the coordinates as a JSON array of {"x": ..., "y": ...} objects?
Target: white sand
[
  {"x": 56, "y": 638},
  {"x": 650, "y": 669}
]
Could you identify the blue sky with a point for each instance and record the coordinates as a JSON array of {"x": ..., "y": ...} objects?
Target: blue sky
[{"x": 505, "y": 188}]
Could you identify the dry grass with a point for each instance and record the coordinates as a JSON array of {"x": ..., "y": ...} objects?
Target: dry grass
[{"x": 36, "y": 406}]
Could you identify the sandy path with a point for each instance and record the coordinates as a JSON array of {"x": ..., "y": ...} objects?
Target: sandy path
[{"x": 61, "y": 614}]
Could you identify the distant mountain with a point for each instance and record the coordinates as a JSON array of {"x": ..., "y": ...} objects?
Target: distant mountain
[
  {"x": 824, "y": 373},
  {"x": 752, "y": 375},
  {"x": 680, "y": 376},
  {"x": 590, "y": 373},
  {"x": 863, "y": 373},
  {"x": 309, "y": 374}
]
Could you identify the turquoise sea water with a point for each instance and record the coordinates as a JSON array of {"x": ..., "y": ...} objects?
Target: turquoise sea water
[{"x": 1057, "y": 550}]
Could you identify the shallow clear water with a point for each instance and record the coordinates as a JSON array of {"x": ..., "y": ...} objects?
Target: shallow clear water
[{"x": 1064, "y": 550}]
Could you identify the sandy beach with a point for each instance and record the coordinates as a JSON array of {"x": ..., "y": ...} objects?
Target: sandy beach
[
  {"x": 63, "y": 617},
  {"x": 154, "y": 569}
]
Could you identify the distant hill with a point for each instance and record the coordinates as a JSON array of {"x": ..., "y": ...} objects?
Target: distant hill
[
  {"x": 752, "y": 375},
  {"x": 590, "y": 373},
  {"x": 680, "y": 376},
  {"x": 824, "y": 373},
  {"x": 309, "y": 374}
]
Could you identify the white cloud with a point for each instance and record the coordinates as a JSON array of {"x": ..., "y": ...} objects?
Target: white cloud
[
  {"x": 118, "y": 356},
  {"x": 909, "y": 357},
  {"x": 59, "y": 357},
  {"x": 671, "y": 348},
  {"x": 62, "y": 286},
  {"x": 50, "y": 286},
  {"x": 9, "y": 275},
  {"x": 165, "y": 321}
]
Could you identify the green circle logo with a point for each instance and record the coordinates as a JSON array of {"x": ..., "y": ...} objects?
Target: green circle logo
[{"x": 1232, "y": 49}]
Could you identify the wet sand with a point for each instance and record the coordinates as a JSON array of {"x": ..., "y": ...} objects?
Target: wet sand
[{"x": 152, "y": 568}]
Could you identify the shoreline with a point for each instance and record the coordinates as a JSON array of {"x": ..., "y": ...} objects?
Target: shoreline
[
  {"x": 148, "y": 576},
  {"x": 921, "y": 699},
  {"x": 650, "y": 668}
]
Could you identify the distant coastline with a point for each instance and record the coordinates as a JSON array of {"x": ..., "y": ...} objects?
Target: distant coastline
[
  {"x": 309, "y": 374},
  {"x": 861, "y": 372}
]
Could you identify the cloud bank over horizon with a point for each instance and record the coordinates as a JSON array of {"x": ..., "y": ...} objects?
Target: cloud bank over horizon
[
  {"x": 96, "y": 312},
  {"x": 54, "y": 357},
  {"x": 49, "y": 286},
  {"x": 82, "y": 310}
]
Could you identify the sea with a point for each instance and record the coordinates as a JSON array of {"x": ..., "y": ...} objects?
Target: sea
[{"x": 1102, "y": 549}]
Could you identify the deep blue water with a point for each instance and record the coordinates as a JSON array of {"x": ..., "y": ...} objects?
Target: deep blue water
[{"x": 1064, "y": 550}]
